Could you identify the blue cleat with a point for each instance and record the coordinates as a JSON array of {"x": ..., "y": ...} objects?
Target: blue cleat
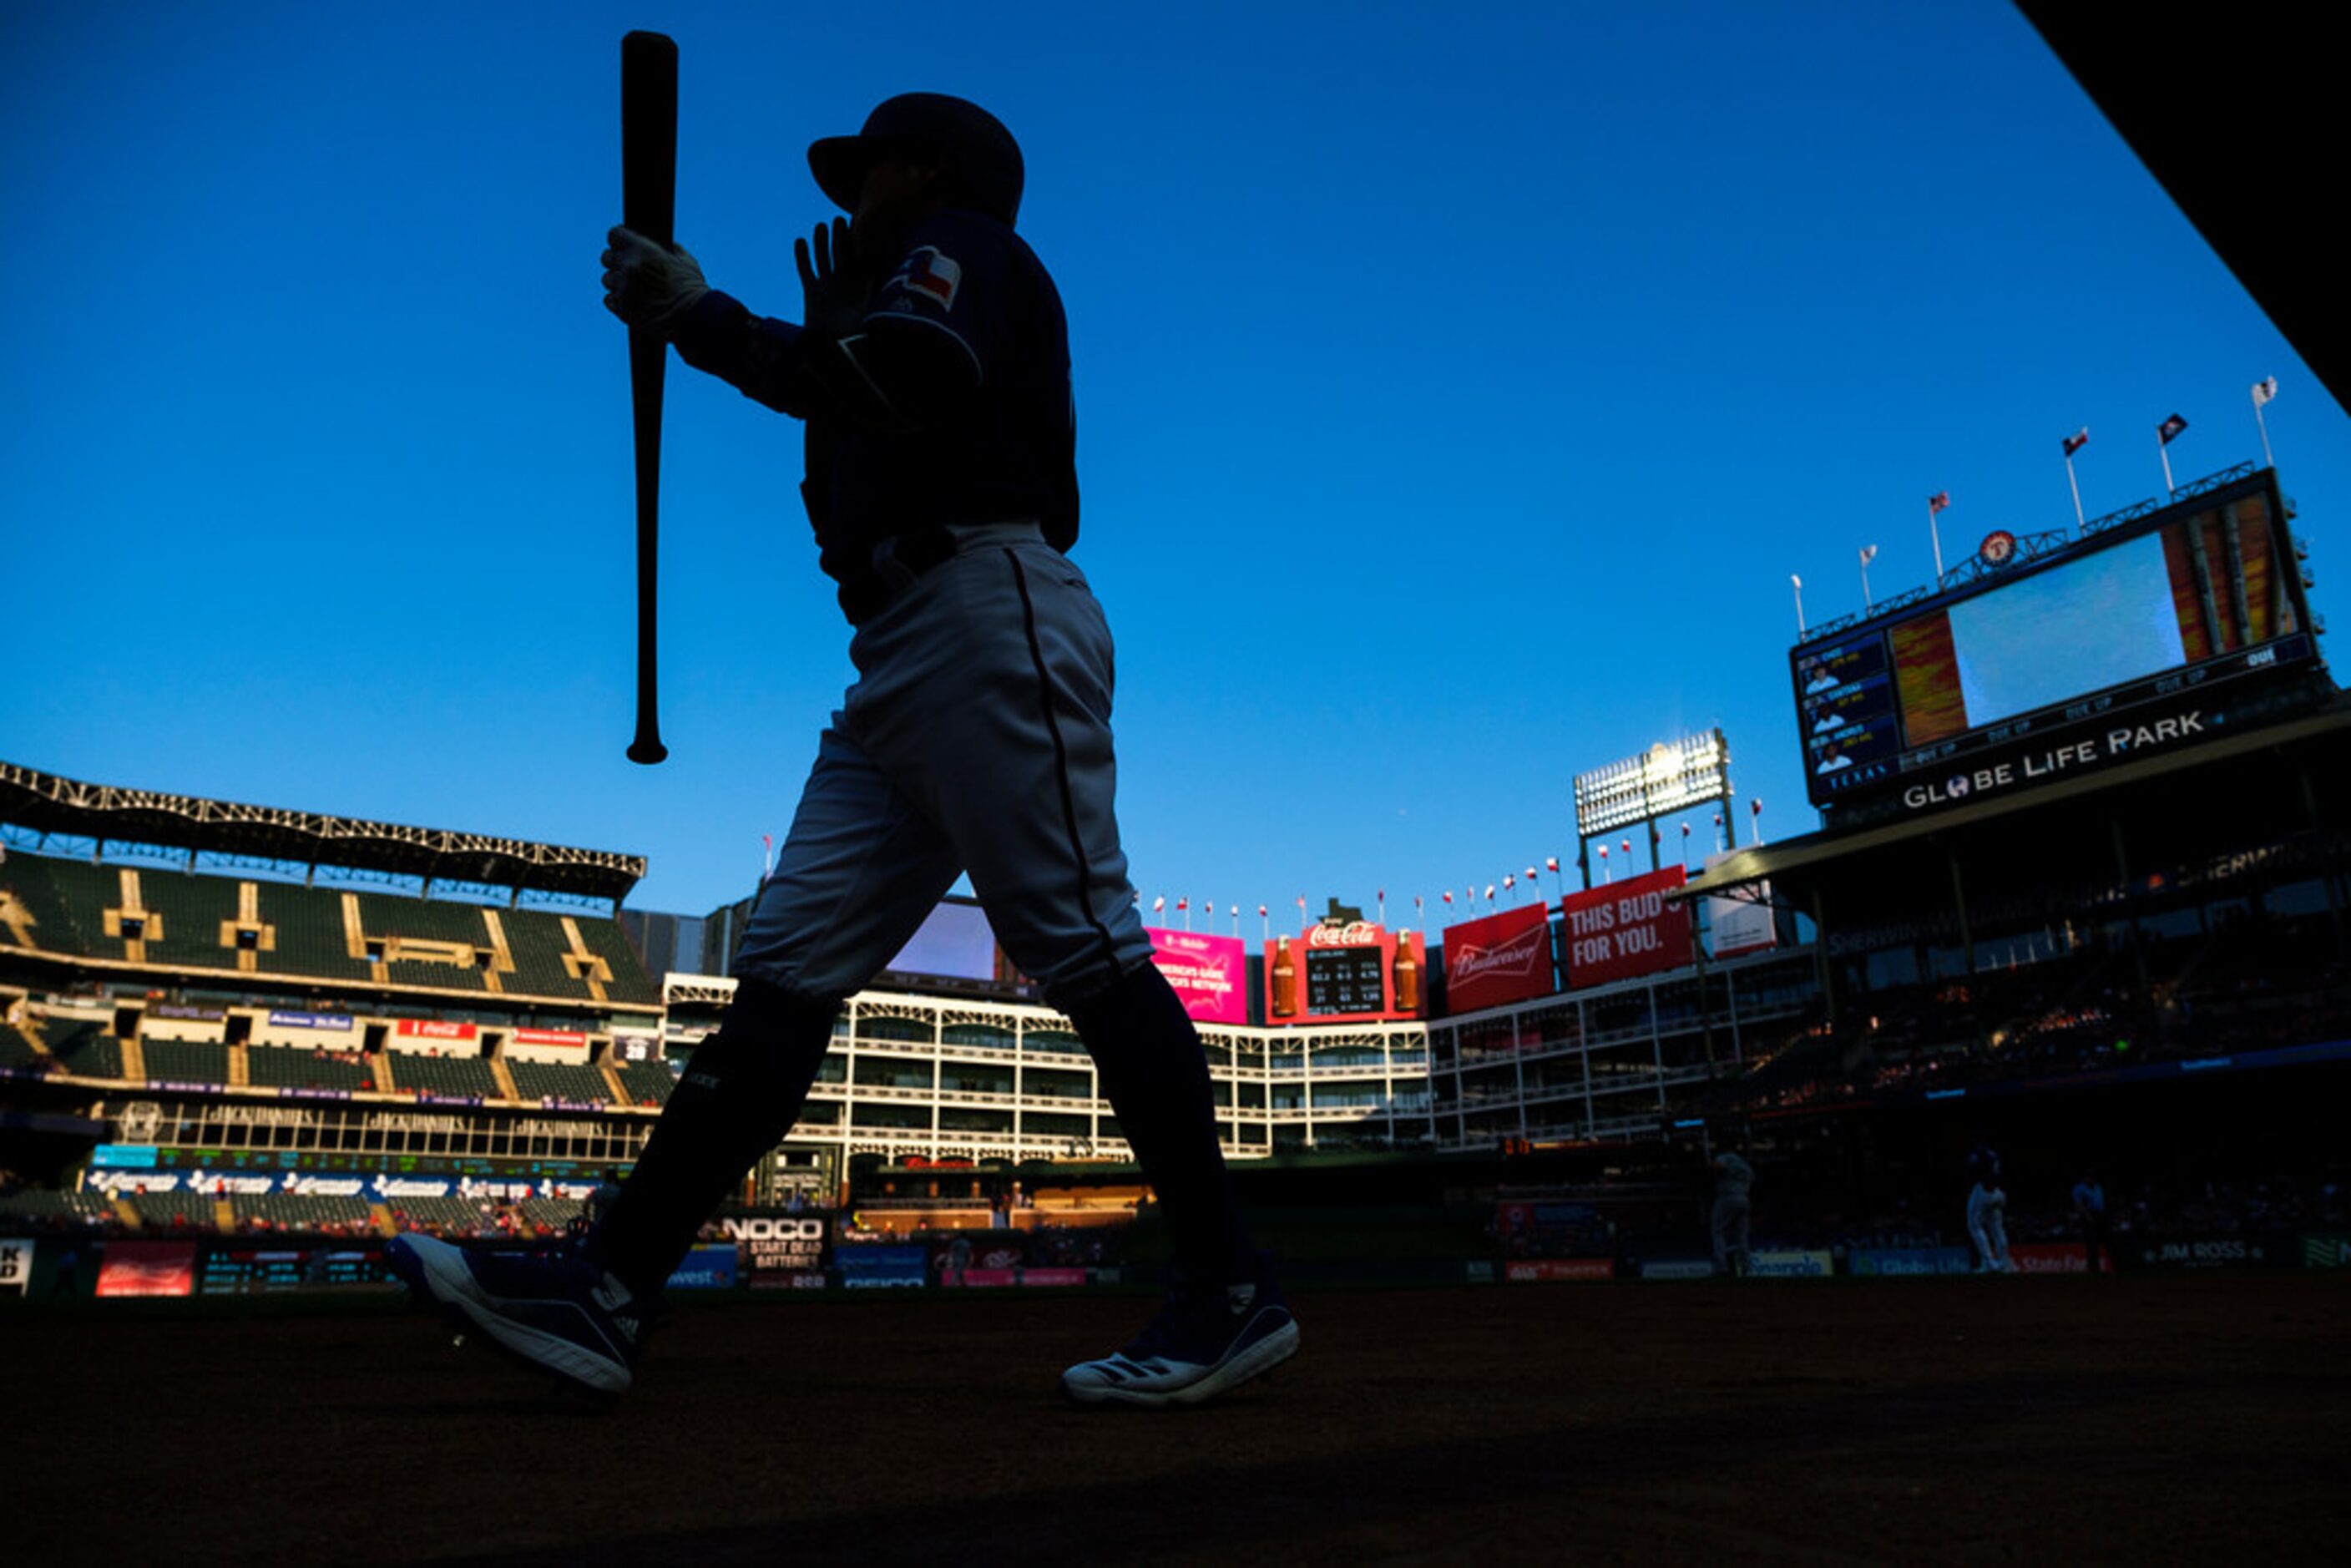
[
  {"x": 1203, "y": 1342},
  {"x": 560, "y": 1313}
]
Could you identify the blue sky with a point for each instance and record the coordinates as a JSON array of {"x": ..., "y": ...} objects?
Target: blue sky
[{"x": 1459, "y": 388}]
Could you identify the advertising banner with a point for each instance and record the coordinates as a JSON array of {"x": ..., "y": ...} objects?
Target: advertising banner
[
  {"x": 1886, "y": 1262},
  {"x": 113, "y": 1181},
  {"x": 706, "y": 1267},
  {"x": 2177, "y": 1253},
  {"x": 785, "y": 1243},
  {"x": 341, "y": 1022},
  {"x": 1022, "y": 1276},
  {"x": 1793, "y": 1263},
  {"x": 1208, "y": 972},
  {"x": 1742, "y": 925},
  {"x": 547, "y": 1037},
  {"x": 1500, "y": 958},
  {"x": 1628, "y": 928},
  {"x": 16, "y": 1264},
  {"x": 1528, "y": 1270},
  {"x": 182, "y": 1010},
  {"x": 883, "y": 1267},
  {"x": 433, "y": 1029},
  {"x": 1350, "y": 971},
  {"x": 1678, "y": 1269},
  {"x": 2057, "y": 1257},
  {"x": 147, "y": 1269},
  {"x": 2326, "y": 1250}
]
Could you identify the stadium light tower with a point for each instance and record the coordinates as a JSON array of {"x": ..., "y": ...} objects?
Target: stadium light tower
[{"x": 1672, "y": 776}]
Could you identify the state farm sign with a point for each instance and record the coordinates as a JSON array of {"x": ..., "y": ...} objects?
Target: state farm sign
[
  {"x": 1503, "y": 958},
  {"x": 1629, "y": 928}
]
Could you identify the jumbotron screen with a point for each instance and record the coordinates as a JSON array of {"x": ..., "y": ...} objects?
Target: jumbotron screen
[{"x": 2052, "y": 666}]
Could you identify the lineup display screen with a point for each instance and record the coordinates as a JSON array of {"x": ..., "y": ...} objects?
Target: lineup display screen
[
  {"x": 1345, "y": 980},
  {"x": 2198, "y": 592},
  {"x": 1345, "y": 971}
]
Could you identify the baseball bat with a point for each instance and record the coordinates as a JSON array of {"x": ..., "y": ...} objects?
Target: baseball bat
[{"x": 648, "y": 206}]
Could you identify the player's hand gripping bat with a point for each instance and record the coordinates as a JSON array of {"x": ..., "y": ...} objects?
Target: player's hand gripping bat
[{"x": 648, "y": 206}]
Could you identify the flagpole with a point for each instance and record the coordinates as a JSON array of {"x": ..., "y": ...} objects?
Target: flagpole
[
  {"x": 1934, "y": 532},
  {"x": 2163, "y": 450},
  {"x": 2264, "y": 389},
  {"x": 1798, "y": 584},
  {"x": 1865, "y": 574}
]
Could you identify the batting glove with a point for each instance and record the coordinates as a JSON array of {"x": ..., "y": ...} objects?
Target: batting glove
[{"x": 650, "y": 285}]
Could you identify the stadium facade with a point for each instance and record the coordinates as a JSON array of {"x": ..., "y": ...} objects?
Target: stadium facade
[{"x": 2109, "y": 873}]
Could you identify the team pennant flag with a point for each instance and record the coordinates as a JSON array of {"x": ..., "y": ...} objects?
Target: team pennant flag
[
  {"x": 2264, "y": 389},
  {"x": 2169, "y": 428},
  {"x": 2078, "y": 440}
]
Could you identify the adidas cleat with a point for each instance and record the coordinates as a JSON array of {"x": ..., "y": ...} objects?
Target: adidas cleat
[
  {"x": 559, "y": 1314},
  {"x": 1203, "y": 1342}
]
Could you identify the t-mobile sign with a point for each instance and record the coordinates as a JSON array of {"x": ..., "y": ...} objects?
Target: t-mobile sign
[
  {"x": 1624, "y": 930},
  {"x": 1206, "y": 972}
]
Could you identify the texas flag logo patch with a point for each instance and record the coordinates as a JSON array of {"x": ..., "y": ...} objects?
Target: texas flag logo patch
[{"x": 929, "y": 275}]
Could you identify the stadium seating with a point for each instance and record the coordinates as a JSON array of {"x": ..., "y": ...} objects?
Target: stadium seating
[
  {"x": 43, "y": 1209},
  {"x": 307, "y": 925},
  {"x": 648, "y": 1082},
  {"x": 300, "y": 1212},
  {"x": 553, "y": 1213},
  {"x": 172, "y": 1210},
  {"x": 57, "y": 897},
  {"x": 16, "y": 1049},
  {"x": 186, "y": 1061},
  {"x": 458, "y": 1075},
  {"x": 301, "y": 1067},
  {"x": 62, "y": 906},
  {"x": 576, "y": 1083},
  {"x": 191, "y": 910},
  {"x": 86, "y": 1048},
  {"x": 450, "y": 1215}
]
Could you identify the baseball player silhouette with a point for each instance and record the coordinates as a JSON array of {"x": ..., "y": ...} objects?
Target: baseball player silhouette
[{"x": 931, "y": 368}]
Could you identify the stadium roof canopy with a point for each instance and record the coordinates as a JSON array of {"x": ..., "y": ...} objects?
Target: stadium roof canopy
[
  {"x": 2223, "y": 796},
  {"x": 49, "y": 804}
]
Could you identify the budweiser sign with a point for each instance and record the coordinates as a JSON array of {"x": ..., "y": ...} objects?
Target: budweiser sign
[
  {"x": 1354, "y": 934},
  {"x": 1502, "y": 958}
]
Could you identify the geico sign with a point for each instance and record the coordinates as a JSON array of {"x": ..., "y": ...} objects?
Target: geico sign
[{"x": 774, "y": 1229}]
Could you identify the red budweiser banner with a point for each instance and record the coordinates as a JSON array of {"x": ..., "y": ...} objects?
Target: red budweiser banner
[
  {"x": 1626, "y": 928},
  {"x": 1503, "y": 958}
]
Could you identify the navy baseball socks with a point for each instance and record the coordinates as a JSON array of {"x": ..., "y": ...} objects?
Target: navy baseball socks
[
  {"x": 1225, "y": 1321},
  {"x": 582, "y": 1314}
]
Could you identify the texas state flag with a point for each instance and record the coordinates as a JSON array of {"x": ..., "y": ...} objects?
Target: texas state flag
[{"x": 932, "y": 275}]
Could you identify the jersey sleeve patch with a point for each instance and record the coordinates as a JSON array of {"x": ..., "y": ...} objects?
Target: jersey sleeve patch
[{"x": 928, "y": 275}]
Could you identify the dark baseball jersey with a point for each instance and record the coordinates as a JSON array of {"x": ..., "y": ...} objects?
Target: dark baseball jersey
[{"x": 951, "y": 407}]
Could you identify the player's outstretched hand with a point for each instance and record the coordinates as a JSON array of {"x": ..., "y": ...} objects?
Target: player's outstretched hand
[
  {"x": 647, "y": 284},
  {"x": 832, "y": 287}
]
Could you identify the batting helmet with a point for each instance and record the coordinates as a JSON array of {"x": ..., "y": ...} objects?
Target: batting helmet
[{"x": 983, "y": 162}]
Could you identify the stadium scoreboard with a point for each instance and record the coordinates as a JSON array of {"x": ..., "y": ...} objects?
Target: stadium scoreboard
[{"x": 2125, "y": 640}]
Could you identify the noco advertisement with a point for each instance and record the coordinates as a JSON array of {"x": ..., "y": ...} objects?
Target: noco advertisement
[{"x": 2107, "y": 648}]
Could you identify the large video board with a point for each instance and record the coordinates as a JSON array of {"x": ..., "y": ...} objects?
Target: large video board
[{"x": 2053, "y": 666}]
